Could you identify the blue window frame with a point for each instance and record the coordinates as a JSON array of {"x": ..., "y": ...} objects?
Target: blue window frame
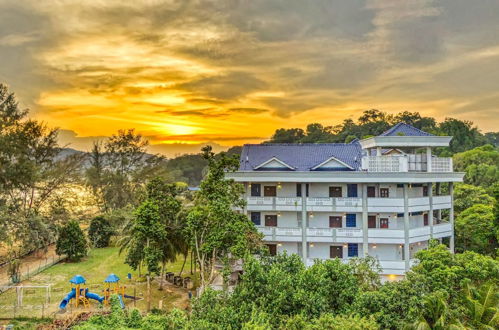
[
  {"x": 256, "y": 218},
  {"x": 353, "y": 249},
  {"x": 352, "y": 190},
  {"x": 351, "y": 220},
  {"x": 256, "y": 190}
]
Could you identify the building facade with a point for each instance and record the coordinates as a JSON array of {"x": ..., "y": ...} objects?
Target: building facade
[{"x": 384, "y": 196}]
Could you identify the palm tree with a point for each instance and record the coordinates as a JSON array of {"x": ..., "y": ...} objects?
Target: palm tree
[
  {"x": 483, "y": 305},
  {"x": 434, "y": 315}
]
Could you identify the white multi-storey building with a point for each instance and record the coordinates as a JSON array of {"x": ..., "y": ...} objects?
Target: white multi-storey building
[{"x": 384, "y": 196}]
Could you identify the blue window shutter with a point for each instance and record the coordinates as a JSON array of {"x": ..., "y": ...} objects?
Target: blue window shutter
[
  {"x": 353, "y": 249},
  {"x": 352, "y": 190},
  {"x": 351, "y": 220},
  {"x": 256, "y": 218}
]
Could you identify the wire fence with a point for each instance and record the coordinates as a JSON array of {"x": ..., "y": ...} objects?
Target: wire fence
[{"x": 29, "y": 271}]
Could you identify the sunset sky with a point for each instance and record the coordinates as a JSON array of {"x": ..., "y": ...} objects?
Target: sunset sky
[{"x": 229, "y": 72}]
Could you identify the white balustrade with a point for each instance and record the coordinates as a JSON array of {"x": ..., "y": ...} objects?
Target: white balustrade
[
  {"x": 384, "y": 163},
  {"x": 260, "y": 200},
  {"x": 319, "y": 201},
  {"x": 288, "y": 231},
  {"x": 288, "y": 201},
  {"x": 320, "y": 231},
  {"x": 441, "y": 164}
]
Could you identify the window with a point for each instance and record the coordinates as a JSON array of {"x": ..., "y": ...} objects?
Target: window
[
  {"x": 371, "y": 191},
  {"x": 353, "y": 250},
  {"x": 335, "y": 192},
  {"x": 272, "y": 249},
  {"x": 336, "y": 252},
  {"x": 256, "y": 218},
  {"x": 425, "y": 191},
  {"x": 269, "y": 191},
  {"x": 425, "y": 219},
  {"x": 371, "y": 221},
  {"x": 351, "y": 220},
  {"x": 384, "y": 192},
  {"x": 334, "y": 222},
  {"x": 271, "y": 220},
  {"x": 352, "y": 190},
  {"x": 298, "y": 190},
  {"x": 256, "y": 190},
  {"x": 383, "y": 223}
]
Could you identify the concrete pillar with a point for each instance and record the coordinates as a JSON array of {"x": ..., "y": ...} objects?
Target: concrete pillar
[
  {"x": 439, "y": 211},
  {"x": 428, "y": 159},
  {"x": 406, "y": 229},
  {"x": 378, "y": 151},
  {"x": 365, "y": 234},
  {"x": 304, "y": 219},
  {"x": 451, "y": 216},
  {"x": 430, "y": 213},
  {"x": 245, "y": 195}
]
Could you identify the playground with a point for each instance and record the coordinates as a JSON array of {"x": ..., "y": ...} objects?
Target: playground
[{"x": 93, "y": 280}]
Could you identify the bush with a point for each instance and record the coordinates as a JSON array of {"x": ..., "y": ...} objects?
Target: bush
[
  {"x": 71, "y": 241},
  {"x": 100, "y": 232}
]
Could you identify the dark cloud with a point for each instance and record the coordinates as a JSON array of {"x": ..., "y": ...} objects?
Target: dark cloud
[{"x": 283, "y": 57}]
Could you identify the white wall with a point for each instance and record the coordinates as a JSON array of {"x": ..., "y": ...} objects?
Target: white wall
[
  {"x": 287, "y": 219},
  {"x": 387, "y": 252},
  {"x": 321, "y": 219},
  {"x": 415, "y": 247}
]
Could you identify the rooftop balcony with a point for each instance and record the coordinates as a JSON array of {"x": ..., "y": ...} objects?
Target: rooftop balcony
[{"x": 406, "y": 163}]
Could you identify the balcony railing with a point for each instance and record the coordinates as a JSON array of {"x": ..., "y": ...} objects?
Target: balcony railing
[
  {"x": 385, "y": 164},
  {"x": 406, "y": 163},
  {"x": 440, "y": 164}
]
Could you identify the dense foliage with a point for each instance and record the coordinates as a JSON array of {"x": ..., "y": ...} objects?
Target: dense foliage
[
  {"x": 100, "y": 232},
  {"x": 71, "y": 241},
  {"x": 374, "y": 122},
  {"x": 442, "y": 291},
  {"x": 33, "y": 172}
]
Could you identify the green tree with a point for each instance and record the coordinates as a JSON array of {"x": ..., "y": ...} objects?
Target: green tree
[
  {"x": 71, "y": 241},
  {"x": 475, "y": 229},
  {"x": 483, "y": 306},
  {"x": 217, "y": 232},
  {"x": 465, "y": 196},
  {"x": 100, "y": 232},
  {"x": 119, "y": 169},
  {"x": 465, "y": 135}
]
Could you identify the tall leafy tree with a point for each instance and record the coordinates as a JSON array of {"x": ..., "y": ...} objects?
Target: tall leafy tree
[
  {"x": 217, "y": 232},
  {"x": 476, "y": 231}
]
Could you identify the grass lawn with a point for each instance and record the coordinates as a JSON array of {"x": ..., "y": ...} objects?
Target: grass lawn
[{"x": 95, "y": 268}]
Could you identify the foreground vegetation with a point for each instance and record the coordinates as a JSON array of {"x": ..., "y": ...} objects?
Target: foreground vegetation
[{"x": 443, "y": 291}]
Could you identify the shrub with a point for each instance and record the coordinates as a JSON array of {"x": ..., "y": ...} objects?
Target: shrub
[{"x": 71, "y": 241}]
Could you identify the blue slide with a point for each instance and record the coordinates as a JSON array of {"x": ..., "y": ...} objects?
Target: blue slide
[
  {"x": 66, "y": 299},
  {"x": 72, "y": 294},
  {"x": 122, "y": 304},
  {"x": 94, "y": 296}
]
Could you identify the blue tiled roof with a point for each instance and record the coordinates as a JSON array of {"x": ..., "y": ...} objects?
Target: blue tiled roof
[
  {"x": 301, "y": 157},
  {"x": 406, "y": 130}
]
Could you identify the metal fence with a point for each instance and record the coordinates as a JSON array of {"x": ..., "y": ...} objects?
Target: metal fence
[{"x": 27, "y": 272}]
